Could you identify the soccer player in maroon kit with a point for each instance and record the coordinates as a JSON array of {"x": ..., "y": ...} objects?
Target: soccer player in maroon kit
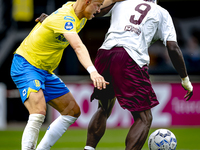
[{"x": 123, "y": 60}]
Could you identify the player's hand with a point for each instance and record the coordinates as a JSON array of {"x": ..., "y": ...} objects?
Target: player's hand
[
  {"x": 187, "y": 86},
  {"x": 41, "y": 18},
  {"x": 98, "y": 80}
]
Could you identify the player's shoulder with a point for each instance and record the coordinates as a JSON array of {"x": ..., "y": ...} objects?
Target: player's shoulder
[
  {"x": 162, "y": 11},
  {"x": 65, "y": 9},
  {"x": 68, "y": 6},
  {"x": 62, "y": 14}
]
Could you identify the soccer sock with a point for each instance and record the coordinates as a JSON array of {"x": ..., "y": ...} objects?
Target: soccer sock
[
  {"x": 55, "y": 131},
  {"x": 31, "y": 131},
  {"x": 88, "y": 148}
]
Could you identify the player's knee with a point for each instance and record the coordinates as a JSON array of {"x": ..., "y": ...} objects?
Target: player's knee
[
  {"x": 36, "y": 103},
  {"x": 148, "y": 119},
  {"x": 77, "y": 111},
  {"x": 103, "y": 112},
  {"x": 72, "y": 109},
  {"x": 39, "y": 109},
  {"x": 107, "y": 106},
  {"x": 42, "y": 112}
]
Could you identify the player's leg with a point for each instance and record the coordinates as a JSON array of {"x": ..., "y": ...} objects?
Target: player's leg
[
  {"x": 69, "y": 111},
  {"x": 36, "y": 106},
  {"x": 97, "y": 125},
  {"x": 134, "y": 92},
  {"x": 27, "y": 78},
  {"x": 36, "y": 103},
  {"x": 66, "y": 105},
  {"x": 138, "y": 132}
]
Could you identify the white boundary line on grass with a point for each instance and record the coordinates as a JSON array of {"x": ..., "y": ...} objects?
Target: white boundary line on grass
[{"x": 119, "y": 148}]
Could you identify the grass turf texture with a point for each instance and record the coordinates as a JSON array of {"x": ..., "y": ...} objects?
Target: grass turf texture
[{"x": 114, "y": 139}]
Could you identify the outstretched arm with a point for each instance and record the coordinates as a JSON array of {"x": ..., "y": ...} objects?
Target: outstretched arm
[
  {"x": 84, "y": 58},
  {"x": 176, "y": 57}
]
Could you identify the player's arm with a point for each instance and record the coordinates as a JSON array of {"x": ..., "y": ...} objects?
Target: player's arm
[
  {"x": 176, "y": 57},
  {"x": 107, "y": 3},
  {"x": 104, "y": 10},
  {"x": 106, "y": 7},
  {"x": 84, "y": 58}
]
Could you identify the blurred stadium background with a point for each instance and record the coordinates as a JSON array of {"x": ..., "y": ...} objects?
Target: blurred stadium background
[{"x": 17, "y": 19}]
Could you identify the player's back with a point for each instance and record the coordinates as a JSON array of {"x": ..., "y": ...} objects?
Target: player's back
[
  {"x": 135, "y": 17},
  {"x": 135, "y": 24}
]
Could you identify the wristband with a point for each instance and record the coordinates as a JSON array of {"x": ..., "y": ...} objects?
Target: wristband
[
  {"x": 91, "y": 69},
  {"x": 187, "y": 84},
  {"x": 185, "y": 80}
]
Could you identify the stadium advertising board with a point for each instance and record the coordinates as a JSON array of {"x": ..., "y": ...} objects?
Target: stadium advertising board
[{"x": 173, "y": 110}]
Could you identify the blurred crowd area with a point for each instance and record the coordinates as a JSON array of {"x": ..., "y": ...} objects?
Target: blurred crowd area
[
  {"x": 17, "y": 19},
  {"x": 188, "y": 37}
]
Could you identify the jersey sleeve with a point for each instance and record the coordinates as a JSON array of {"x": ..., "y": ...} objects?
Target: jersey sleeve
[
  {"x": 166, "y": 31},
  {"x": 61, "y": 24}
]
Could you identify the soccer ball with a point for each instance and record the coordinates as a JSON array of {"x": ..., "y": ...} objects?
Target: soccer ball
[{"x": 162, "y": 139}]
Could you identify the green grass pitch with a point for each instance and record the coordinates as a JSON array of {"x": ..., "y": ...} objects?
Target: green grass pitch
[{"x": 114, "y": 139}]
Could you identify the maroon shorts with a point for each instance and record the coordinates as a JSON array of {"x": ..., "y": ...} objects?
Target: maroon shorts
[{"x": 128, "y": 82}]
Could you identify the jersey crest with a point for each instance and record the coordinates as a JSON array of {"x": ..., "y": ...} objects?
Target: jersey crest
[{"x": 69, "y": 26}]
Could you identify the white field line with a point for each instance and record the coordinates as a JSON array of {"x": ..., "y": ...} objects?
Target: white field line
[{"x": 114, "y": 148}]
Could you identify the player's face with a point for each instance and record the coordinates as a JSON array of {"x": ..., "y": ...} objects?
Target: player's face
[{"x": 93, "y": 8}]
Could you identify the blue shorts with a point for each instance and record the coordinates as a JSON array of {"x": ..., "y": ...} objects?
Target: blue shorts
[{"x": 31, "y": 79}]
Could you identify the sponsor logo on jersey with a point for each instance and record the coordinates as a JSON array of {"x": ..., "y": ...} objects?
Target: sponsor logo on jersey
[
  {"x": 69, "y": 26},
  {"x": 69, "y": 18},
  {"x": 24, "y": 92},
  {"x": 132, "y": 29},
  {"x": 61, "y": 38},
  {"x": 37, "y": 83}
]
